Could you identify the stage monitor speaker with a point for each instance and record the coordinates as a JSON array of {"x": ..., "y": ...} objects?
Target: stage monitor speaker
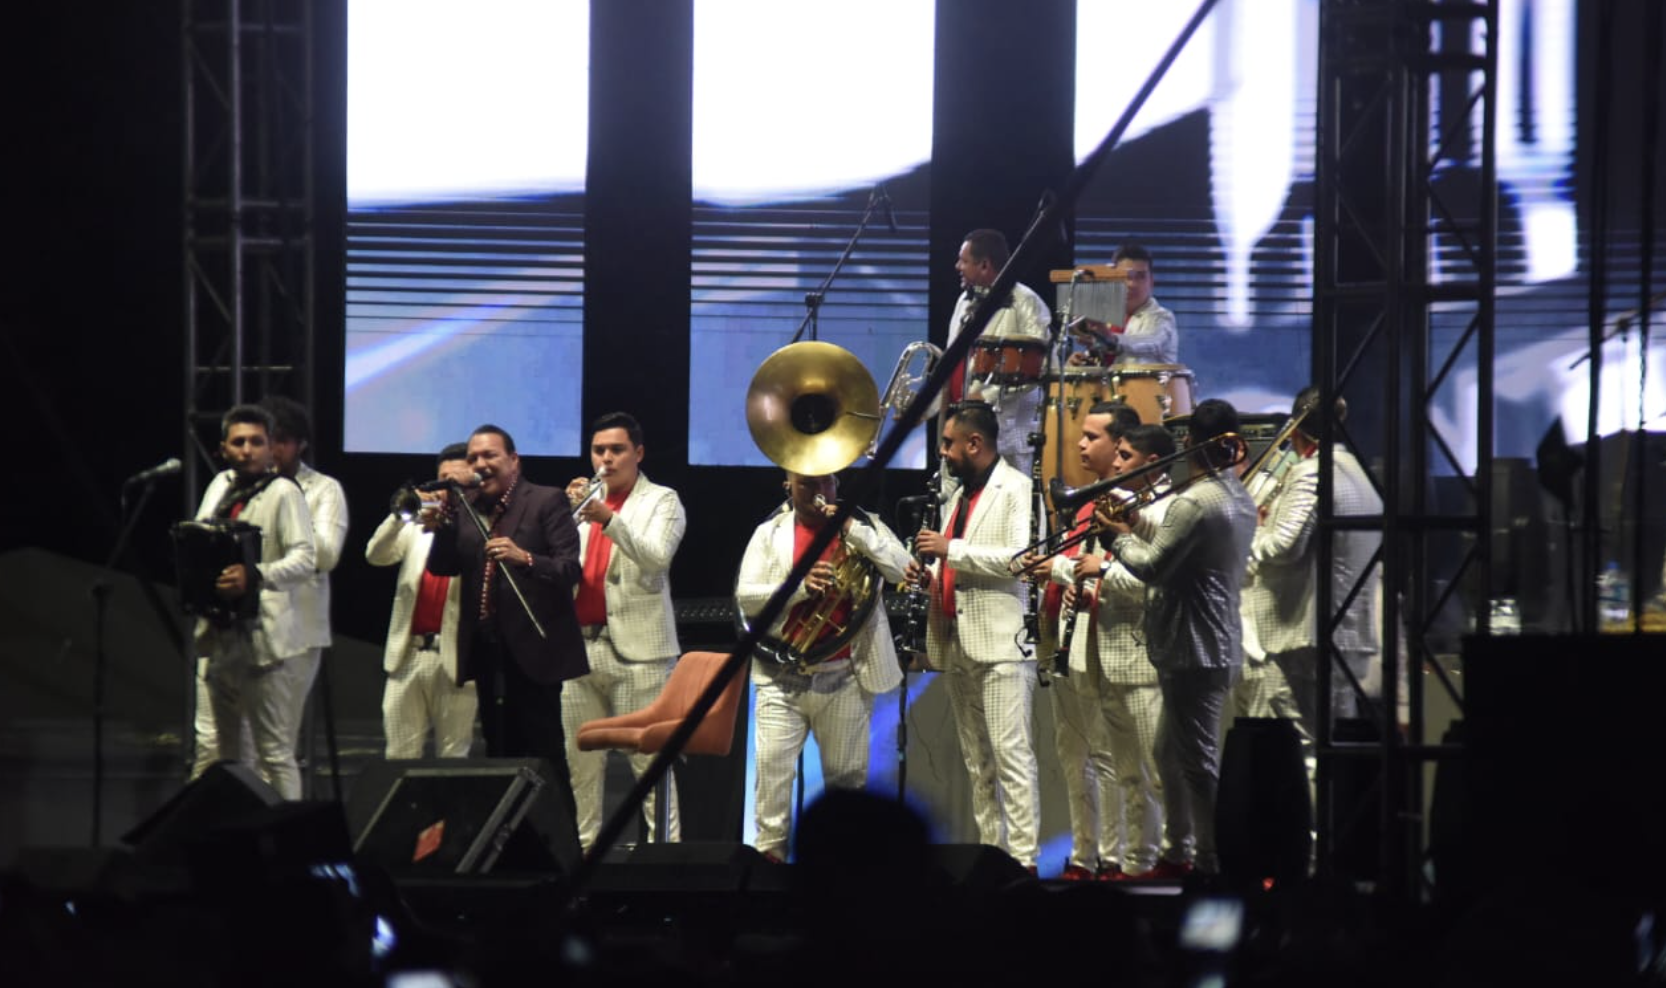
[
  {"x": 688, "y": 867},
  {"x": 1263, "y": 811},
  {"x": 978, "y": 867},
  {"x": 452, "y": 816},
  {"x": 224, "y": 794}
]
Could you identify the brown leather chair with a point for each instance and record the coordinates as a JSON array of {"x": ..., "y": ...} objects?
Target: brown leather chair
[{"x": 648, "y": 729}]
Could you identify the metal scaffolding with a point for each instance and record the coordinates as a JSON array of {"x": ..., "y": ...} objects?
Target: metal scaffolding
[
  {"x": 1405, "y": 272},
  {"x": 248, "y": 212}
]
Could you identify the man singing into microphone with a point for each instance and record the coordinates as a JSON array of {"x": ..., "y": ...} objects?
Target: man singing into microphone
[
  {"x": 627, "y": 535},
  {"x": 518, "y": 656}
]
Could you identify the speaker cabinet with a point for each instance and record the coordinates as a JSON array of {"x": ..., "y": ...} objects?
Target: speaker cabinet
[
  {"x": 439, "y": 817},
  {"x": 223, "y": 795},
  {"x": 1263, "y": 812}
]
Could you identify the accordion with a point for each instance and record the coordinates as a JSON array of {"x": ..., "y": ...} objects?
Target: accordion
[{"x": 202, "y": 550}]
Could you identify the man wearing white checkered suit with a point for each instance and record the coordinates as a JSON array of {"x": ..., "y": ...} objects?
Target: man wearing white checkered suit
[
  {"x": 975, "y": 628},
  {"x": 628, "y": 533},
  {"x": 1194, "y": 566},
  {"x": 420, "y": 659},
  {"x": 1281, "y": 598},
  {"x": 1109, "y": 667},
  {"x": 833, "y": 699},
  {"x": 1080, "y": 735}
]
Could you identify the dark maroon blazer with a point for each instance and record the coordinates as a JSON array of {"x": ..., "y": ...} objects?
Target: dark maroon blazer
[{"x": 539, "y": 520}]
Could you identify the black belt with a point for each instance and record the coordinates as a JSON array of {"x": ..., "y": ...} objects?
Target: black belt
[{"x": 427, "y": 642}]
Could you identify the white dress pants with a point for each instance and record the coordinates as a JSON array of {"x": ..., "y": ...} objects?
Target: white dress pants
[
  {"x": 1085, "y": 758},
  {"x": 271, "y": 697},
  {"x": 420, "y": 696},
  {"x": 992, "y": 716},
  {"x": 787, "y": 709}
]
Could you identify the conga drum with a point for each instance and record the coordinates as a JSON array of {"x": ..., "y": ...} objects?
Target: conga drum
[
  {"x": 1156, "y": 391},
  {"x": 1069, "y": 397},
  {"x": 1009, "y": 361}
]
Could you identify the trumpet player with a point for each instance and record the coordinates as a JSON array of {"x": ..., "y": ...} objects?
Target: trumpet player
[
  {"x": 423, "y": 689},
  {"x": 629, "y": 528},
  {"x": 834, "y": 698},
  {"x": 975, "y": 631},
  {"x": 1194, "y": 565}
]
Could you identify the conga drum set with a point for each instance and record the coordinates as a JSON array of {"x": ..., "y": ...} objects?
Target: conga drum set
[{"x": 1158, "y": 392}]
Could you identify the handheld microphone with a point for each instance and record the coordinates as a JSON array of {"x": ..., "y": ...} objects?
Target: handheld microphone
[
  {"x": 885, "y": 200},
  {"x": 167, "y": 468}
]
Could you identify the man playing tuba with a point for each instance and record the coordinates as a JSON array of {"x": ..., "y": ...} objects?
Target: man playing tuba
[{"x": 830, "y": 694}]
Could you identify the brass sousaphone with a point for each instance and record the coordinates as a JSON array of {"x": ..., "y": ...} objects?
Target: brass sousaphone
[{"x": 814, "y": 409}]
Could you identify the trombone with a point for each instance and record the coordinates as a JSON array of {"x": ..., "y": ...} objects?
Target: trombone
[
  {"x": 1265, "y": 476},
  {"x": 1105, "y": 493}
]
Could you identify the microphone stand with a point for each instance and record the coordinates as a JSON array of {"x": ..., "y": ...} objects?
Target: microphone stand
[
  {"x": 813, "y": 300},
  {"x": 1622, "y": 325},
  {"x": 101, "y": 591},
  {"x": 459, "y": 491}
]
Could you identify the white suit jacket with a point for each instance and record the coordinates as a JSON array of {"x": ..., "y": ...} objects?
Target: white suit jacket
[
  {"x": 327, "y": 504},
  {"x": 645, "y": 532},
  {"x": 990, "y": 601},
  {"x": 405, "y": 543},
  {"x": 1120, "y": 611},
  {"x": 286, "y": 561},
  {"x": 768, "y": 560},
  {"x": 1281, "y": 600}
]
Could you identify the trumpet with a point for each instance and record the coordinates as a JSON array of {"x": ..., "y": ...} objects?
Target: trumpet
[
  {"x": 1103, "y": 492},
  {"x": 598, "y": 487},
  {"x": 408, "y": 503}
]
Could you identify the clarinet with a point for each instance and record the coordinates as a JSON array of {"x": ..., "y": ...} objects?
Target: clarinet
[
  {"x": 1061, "y": 658},
  {"x": 1032, "y": 616},
  {"x": 917, "y": 602}
]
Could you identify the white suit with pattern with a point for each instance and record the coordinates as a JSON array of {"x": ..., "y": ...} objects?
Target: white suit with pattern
[
  {"x": 835, "y": 701},
  {"x": 421, "y": 691},
  {"x": 989, "y": 671},
  {"x": 632, "y": 655},
  {"x": 1109, "y": 669},
  {"x": 1281, "y": 599},
  {"x": 260, "y": 671}
]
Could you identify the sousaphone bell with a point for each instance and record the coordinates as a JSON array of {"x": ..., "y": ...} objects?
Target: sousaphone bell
[{"x": 813, "y": 408}]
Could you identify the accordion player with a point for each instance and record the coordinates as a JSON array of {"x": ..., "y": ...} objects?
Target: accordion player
[{"x": 202, "y": 550}]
